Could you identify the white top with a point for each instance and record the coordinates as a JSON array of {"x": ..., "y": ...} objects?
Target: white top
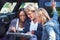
[
  {"x": 33, "y": 26},
  {"x": 20, "y": 29},
  {"x": 17, "y": 27}
]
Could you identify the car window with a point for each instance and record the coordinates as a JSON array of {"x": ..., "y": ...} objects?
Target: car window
[
  {"x": 8, "y": 7},
  {"x": 23, "y": 5}
]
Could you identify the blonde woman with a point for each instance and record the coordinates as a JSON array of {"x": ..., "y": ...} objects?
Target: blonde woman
[
  {"x": 35, "y": 27},
  {"x": 42, "y": 15},
  {"x": 51, "y": 28}
]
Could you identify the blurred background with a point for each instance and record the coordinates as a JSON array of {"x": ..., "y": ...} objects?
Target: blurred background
[{"x": 9, "y": 8}]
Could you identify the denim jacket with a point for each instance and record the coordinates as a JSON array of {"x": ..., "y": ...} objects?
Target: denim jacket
[{"x": 51, "y": 28}]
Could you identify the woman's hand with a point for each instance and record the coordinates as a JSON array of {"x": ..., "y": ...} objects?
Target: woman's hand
[
  {"x": 32, "y": 32},
  {"x": 13, "y": 29},
  {"x": 53, "y": 4},
  {"x": 29, "y": 33}
]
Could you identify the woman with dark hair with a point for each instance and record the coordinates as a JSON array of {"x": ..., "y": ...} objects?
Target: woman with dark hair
[
  {"x": 22, "y": 9},
  {"x": 18, "y": 24},
  {"x": 19, "y": 21}
]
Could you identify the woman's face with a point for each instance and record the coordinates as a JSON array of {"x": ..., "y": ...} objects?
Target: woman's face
[
  {"x": 31, "y": 14},
  {"x": 22, "y": 16},
  {"x": 41, "y": 17},
  {"x": 40, "y": 12}
]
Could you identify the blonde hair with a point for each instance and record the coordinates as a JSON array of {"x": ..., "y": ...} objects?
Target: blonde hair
[
  {"x": 30, "y": 7},
  {"x": 43, "y": 16}
]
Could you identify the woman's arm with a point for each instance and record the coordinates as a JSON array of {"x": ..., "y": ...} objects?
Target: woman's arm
[
  {"x": 51, "y": 33},
  {"x": 12, "y": 25},
  {"x": 38, "y": 33},
  {"x": 55, "y": 13}
]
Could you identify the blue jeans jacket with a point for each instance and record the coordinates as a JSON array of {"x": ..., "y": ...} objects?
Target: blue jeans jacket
[{"x": 51, "y": 28}]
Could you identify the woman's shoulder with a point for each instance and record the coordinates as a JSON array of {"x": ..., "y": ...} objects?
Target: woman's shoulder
[
  {"x": 40, "y": 25},
  {"x": 15, "y": 19}
]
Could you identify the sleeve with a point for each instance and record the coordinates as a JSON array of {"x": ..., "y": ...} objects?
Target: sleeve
[
  {"x": 44, "y": 36},
  {"x": 55, "y": 15},
  {"x": 51, "y": 33},
  {"x": 38, "y": 33},
  {"x": 12, "y": 24}
]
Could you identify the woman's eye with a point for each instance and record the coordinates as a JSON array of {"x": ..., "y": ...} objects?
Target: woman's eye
[{"x": 22, "y": 15}]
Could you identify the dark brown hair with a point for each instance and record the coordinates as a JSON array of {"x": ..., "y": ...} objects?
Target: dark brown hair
[{"x": 21, "y": 9}]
